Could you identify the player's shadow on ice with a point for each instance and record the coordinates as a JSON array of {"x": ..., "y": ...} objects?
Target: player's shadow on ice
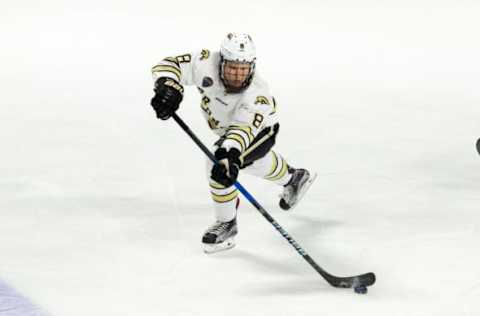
[
  {"x": 287, "y": 288},
  {"x": 303, "y": 226},
  {"x": 287, "y": 277},
  {"x": 265, "y": 264},
  {"x": 304, "y": 232}
]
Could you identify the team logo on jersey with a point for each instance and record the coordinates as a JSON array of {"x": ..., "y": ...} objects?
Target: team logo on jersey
[
  {"x": 204, "y": 54},
  {"x": 207, "y": 82},
  {"x": 261, "y": 100}
]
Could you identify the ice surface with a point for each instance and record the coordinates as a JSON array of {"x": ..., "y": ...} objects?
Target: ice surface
[{"x": 102, "y": 206}]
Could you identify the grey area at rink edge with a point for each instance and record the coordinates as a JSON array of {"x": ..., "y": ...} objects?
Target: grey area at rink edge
[{"x": 13, "y": 303}]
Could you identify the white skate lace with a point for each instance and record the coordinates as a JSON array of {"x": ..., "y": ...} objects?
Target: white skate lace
[{"x": 217, "y": 228}]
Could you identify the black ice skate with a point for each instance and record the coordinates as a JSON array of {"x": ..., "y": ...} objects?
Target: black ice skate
[
  {"x": 295, "y": 189},
  {"x": 219, "y": 236}
]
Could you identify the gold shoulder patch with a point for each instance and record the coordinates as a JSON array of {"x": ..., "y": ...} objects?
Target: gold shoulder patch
[
  {"x": 204, "y": 54},
  {"x": 262, "y": 100}
]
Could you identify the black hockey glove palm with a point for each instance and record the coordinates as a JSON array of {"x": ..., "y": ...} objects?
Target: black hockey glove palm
[
  {"x": 226, "y": 172},
  {"x": 168, "y": 95}
]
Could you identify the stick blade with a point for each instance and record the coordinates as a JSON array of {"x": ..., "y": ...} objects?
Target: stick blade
[{"x": 366, "y": 279}]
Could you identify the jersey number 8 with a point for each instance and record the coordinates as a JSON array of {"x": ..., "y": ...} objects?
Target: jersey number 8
[{"x": 257, "y": 121}]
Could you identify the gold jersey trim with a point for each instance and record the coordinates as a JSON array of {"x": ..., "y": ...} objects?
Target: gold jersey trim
[
  {"x": 166, "y": 68},
  {"x": 225, "y": 198}
]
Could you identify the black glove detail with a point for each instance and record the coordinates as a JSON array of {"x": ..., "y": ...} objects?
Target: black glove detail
[
  {"x": 168, "y": 95},
  {"x": 226, "y": 172}
]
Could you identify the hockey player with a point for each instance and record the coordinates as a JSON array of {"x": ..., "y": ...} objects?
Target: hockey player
[{"x": 238, "y": 107}]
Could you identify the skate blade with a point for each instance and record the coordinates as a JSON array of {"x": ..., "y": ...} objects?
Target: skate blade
[
  {"x": 213, "y": 248},
  {"x": 304, "y": 190}
]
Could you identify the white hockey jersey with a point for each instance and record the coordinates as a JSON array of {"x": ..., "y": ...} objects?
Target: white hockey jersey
[{"x": 238, "y": 117}]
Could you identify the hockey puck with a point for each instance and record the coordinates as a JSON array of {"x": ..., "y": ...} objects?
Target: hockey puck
[
  {"x": 360, "y": 289},
  {"x": 478, "y": 146}
]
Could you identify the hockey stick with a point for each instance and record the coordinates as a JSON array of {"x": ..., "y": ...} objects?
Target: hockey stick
[{"x": 358, "y": 281}]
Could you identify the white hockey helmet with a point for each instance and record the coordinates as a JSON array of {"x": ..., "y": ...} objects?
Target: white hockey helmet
[{"x": 237, "y": 47}]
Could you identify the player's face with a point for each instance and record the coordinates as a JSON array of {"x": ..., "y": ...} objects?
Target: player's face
[{"x": 236, "y": 73}]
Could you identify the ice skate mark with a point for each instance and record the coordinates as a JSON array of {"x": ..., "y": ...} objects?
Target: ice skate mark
[{"x": 470, "y": 306}]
